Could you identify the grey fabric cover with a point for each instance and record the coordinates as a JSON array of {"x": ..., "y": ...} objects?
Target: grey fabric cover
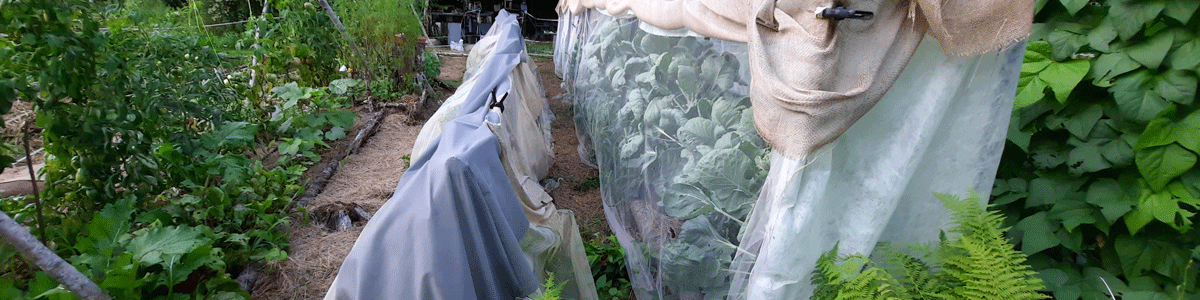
[{"x": 452, "y": 228}]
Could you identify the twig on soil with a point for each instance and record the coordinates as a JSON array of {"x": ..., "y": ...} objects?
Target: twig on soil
[
  {"x": 33, "y": 181},
  {"x": 318, "y": 185}
]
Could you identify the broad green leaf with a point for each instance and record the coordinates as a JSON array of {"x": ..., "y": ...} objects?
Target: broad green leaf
[
  {"x": 291, "y": 92},
  {"x": 1017, "y": 136},
  {"x": 231, "y": 167},
  {"x": 108, "y": 226},
  {"x": 685, "y": 201},
  {"x": 177, "y": 267},
  {"x": 150, "y": 246},
  {"x": 1161, "y": 205},
  {"x": 1146, "y": 295},
  {"x": 1101, "y": 36},
  {"x": 1037, "y": 57},
  {"x": 1066, "y": 39},
  {"x": 1152, "y": 52},
  {"x": 1159, "y": 165},
  {"x": 7, "y": 289},
  {"x": 335, "y": 133},
  {"x": 342, "y": 118},
  {"x": 275, "y": 254},
  {"x": 1038, "y": 5},
  {"x": 1073, "y": 213},
  {"x": 1037, "y": 233},
  {"x": 689, "y": 80},
  {"x": 1087, "y": 158},
  {"x": 1191, "y": 182},
  {"x": 1139, "y": 255},
  {"x": 722, "y": 172},
  {"x": 231, "y": 134},
  {"x": 340, "y": 86},
  {"x": 1111, "y": 65},
  {"x": 1186, "y": 57},
  {"x": 1063, "y": 77},
  {"x": 1135, "y": 98},
  {"x": 1180, "y": 10},
  {"x": 1111, "y": 197},
  {"x": 290, "y": 146},
  {"x": 1177, "y": 86},
  {"x": 1031, "y": 93},
  {"x": 1129, "y": 17},
  {"x": 1055, "y": 279},
  {"x": 1047, "y": 156},
  {"x": 1080, "y": 125},
  {"x": 1073, "y": 6},
  {"x": 1118, "y": 153},
  {"x": 1096, "y": 289},
  {"x": 1166, "y": 128},
  {"x": 1162, "y": 130}
]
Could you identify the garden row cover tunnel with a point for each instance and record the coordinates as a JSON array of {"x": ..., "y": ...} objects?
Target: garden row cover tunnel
[
  {"x": 737, "y": 141},
  {"x": 468, "y": 219}
]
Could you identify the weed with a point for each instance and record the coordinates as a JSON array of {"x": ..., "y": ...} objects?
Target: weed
[
  {"x": 607, "y": 260},
  {"x": 588, "y": 184}
]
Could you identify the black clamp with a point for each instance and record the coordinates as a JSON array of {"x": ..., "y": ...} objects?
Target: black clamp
[
  {"x": 497, "y": 102},
  {"x": 842, "y": 13}
]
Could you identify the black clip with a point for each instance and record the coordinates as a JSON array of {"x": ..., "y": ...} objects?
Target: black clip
[
  {"x": 497, "y": 103},
  {"x": 842, "y": 13}
]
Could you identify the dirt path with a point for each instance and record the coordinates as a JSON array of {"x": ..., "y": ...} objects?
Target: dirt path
[{"x": 369, "y": 177}]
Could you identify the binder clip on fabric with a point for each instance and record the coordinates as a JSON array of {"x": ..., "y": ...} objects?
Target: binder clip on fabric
[{"x": 842, "y": 13}]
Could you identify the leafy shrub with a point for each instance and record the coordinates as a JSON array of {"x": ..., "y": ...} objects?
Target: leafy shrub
[
  {"x": 1099, "y": 179},
  {"x": 433, "y": 65},
  {"x": 154, "y": 172},
  {"x": 977, "y": 262},
  {"x": 607, "y": 260},
  {"x": 374, "y": 25}
]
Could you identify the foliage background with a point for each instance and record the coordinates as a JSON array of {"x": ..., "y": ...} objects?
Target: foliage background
[
  {"x": 1099, "y": 179},
  {"x": 168, "y": 172}
]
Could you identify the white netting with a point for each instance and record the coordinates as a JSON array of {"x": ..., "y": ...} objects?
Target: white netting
[{"x": 664, "y": 115}]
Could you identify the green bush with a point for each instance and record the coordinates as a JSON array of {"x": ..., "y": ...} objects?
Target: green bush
[
  {"x": 155, "y": 182},
  {"x": 373, "y": 24},
  {"x": 607, "y": 260},
  {"x": 1099, "y": 179}
]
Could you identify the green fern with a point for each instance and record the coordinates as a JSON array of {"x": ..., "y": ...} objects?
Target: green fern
[
  {"x": 553, "y": 291},
  {"x": 978, "y": 263}
]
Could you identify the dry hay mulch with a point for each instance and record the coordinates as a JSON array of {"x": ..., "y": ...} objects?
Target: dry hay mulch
[{"x": 366, "y": 178}]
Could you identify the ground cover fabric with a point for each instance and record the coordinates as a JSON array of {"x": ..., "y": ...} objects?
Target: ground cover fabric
[{"x": 452, "y": 229}]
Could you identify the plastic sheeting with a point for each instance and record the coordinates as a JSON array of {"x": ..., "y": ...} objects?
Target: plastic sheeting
[
  {"x": 457, "y": 227},
  {"x": 940, "y": 128}
]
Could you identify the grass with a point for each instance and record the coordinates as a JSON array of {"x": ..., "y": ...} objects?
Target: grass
[
  {"x": 539, "y": 48},
  {"x": 588, "y": 184}
]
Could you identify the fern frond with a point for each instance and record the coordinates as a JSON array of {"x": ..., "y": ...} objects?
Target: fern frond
[
  {"x": 852, "y": 277},
  {"x": 980, "y": 264},
  {"x": 976, "y": 262}
]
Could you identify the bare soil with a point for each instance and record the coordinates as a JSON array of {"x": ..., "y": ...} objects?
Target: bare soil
[{"x": 369, "y": 176}]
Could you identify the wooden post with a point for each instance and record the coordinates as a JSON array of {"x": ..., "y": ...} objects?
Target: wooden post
[{"x": 29, "y": 247}]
